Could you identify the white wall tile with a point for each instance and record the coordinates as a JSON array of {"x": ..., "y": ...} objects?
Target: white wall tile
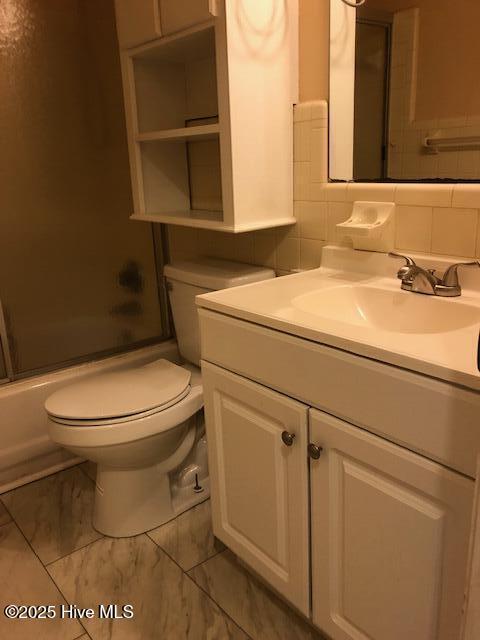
[
  {"x": 265, "y": 249},
  {"x": 301, "y": 180},
  {"x": 302, "y": 112},
  {"x": 319, "y": 155},
  {"x": 466, "y": 195},
  {"x": 288, "y": 253},
  {"x": 428, "y": 195},
  {"x": 336, "y": 191},
  {"x": 337, "y": 212},
  {"x": 413, "y": 228},
  {"x": 312, "y": 220},
  {"x": 310, "y": 253},
  {"x": 318, "y": 192},
  {"x": 319, "y": 110},
  {"x": 302, "y": 140},
  {"x": 454, "y": 231},
  {"x": 370, "y": 192}
]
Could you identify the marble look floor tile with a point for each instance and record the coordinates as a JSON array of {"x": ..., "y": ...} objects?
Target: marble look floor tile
[
  {"x": 189, "y": 538},
  {"x": 23, "y": 580},
  {"x": 55, "y": 513},
  {"x": 245, "y": 599},
  {"x": 90, "y": 468},
  {"x": 166, "y": 603},
  {"x": 4, "y": 515}
]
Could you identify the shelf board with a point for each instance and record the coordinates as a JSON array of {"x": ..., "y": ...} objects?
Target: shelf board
[
  {"x": 191, "y": 218},
  {"x": 201, "y": 132},
  {"x": 209, "y": 220}
]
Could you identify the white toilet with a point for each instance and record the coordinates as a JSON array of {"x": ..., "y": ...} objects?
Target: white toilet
[{"x": 143, "y": 426}]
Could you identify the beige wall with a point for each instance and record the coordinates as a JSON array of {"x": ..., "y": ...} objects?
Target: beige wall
[{"x": 313, "y": 49}]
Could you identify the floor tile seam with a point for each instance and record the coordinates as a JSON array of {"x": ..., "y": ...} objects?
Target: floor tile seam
[
  {"x": 44, "y": 568},
  {"x": 218, "y": 605},
  {"x": 199, "y": 564},
  {"x": 66, "y": 555},
  {"x": 199, "y": 587},
  {"x": 46, "y": 564},
  {"x": 176, "y": 562}
]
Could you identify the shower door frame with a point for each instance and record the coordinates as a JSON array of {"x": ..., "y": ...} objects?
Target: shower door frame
[{"x": 5, "y": 348}]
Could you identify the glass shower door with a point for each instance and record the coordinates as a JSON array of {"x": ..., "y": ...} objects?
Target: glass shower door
[{"x": 77, "y": 277}]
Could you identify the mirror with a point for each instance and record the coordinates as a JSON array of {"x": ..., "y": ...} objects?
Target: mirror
[{"x": 404, "y": 90}]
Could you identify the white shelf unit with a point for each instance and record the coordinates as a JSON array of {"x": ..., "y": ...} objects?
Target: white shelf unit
[{"x": 209, "y": 123}]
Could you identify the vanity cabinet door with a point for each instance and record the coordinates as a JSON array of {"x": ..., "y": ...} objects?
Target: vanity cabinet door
[
  {"x": 390, "y": 532},
  {"x": 259, "y": 484}
]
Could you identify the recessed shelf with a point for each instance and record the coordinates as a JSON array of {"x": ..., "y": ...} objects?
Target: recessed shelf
[{"x": 185, "y": 134}]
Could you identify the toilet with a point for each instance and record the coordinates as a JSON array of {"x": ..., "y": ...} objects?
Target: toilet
[{"x": 143, "y": 426}]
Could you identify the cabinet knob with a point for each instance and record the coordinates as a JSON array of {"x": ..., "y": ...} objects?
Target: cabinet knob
[
  {"x": 314, "y": 451},
  {"x": 288, "y": 438}
]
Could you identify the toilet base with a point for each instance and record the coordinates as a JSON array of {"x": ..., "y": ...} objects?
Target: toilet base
[{"x": 129, "y": 502}]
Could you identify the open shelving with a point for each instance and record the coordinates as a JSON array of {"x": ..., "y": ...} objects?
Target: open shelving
[{"x": 180, "y": 110}]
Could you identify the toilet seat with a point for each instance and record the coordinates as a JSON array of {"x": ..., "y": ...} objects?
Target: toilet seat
[
  {"x": 76, "y": 431},
  {"x": 118, "y": 395}
]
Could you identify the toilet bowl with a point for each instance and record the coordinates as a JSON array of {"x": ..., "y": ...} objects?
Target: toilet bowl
[
  {"x": 144, "y": 426},
  {"x": 137, "y": 448}
]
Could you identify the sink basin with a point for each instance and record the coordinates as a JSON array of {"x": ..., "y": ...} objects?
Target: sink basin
[{"x": 393, "y": 311}]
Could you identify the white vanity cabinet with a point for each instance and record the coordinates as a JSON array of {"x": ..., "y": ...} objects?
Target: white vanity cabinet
[
  {"x": 259, "y": 484},
  {"x": 387, "y": 529},
  {"x": 390, "y": 534}
]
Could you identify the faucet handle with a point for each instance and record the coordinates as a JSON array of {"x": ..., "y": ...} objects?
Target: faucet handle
[
  {"x": 450, "y": 277},
  {"x": 409, "y": 262}
]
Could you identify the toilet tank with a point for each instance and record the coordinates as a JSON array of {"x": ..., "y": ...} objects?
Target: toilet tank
[{"x": 188, "y": 279}]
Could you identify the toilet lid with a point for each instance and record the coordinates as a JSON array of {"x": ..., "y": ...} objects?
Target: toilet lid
[{"x": 113, "y": 395}]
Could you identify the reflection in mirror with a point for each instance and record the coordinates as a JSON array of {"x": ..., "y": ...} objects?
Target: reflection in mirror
[{"x": 417, "y": 94}]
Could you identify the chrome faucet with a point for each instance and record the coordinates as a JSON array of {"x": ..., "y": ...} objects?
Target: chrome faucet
[{"x": 419, "y": 280}]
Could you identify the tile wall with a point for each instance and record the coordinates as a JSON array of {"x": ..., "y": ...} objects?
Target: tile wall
[
  {"x": 407, "y": 158},
  {"x": 430, "y": 218}
]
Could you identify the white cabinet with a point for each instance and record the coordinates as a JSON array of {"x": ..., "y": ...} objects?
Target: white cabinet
[
  {"x": 139, "y": 21},
  {"x": 390, "y": 534},
  {"x": 389, "y": 528},
  {"x": 209, "y": 111},
  {"x": 259, "y": 484}
]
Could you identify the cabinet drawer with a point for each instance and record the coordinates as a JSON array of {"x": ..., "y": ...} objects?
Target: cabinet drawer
[
  {"x": 259, "y": 484},
  {"x": 434, "y": 418}
]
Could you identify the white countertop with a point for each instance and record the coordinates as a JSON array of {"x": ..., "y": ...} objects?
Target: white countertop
[{"x": 450, "y": 355}]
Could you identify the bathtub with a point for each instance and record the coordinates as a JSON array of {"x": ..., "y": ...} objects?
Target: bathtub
[{"x": 26, "y": 451}]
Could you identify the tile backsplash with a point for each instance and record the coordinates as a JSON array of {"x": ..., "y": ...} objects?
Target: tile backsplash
[{"x": 430, "y": 218}]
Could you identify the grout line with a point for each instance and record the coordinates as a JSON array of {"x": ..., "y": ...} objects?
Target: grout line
[
  {"x": 48, "y": 564},
  {"x": 185, "y": 573},
  {"x": 217, "y": 553},
  {"x": 218, "y": 605},
  {"x": 46, "y": 572}
]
